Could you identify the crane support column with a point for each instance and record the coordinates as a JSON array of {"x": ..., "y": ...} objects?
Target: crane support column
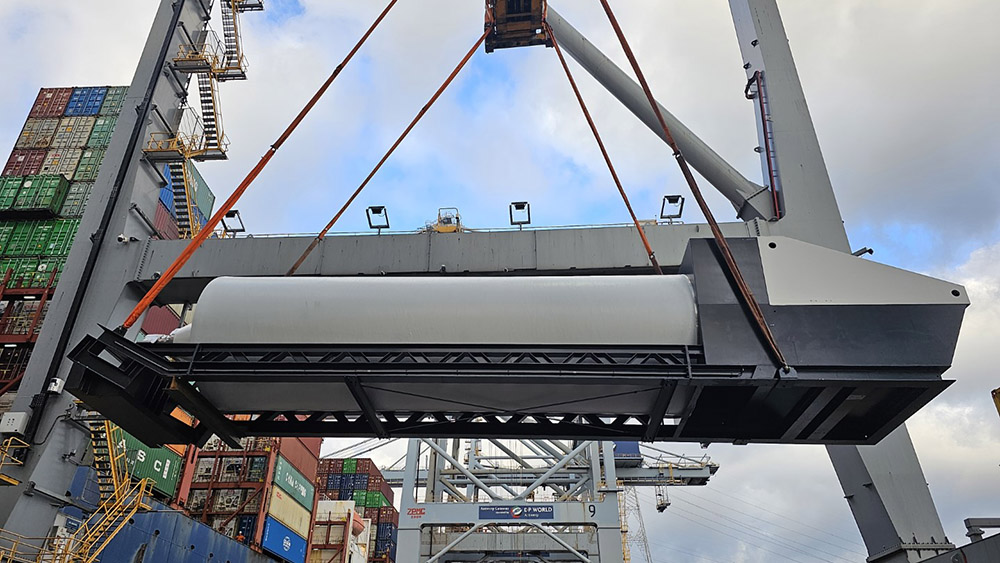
[
  {"x": 93, "y": 288},
  {"x": 884, "y": 484}
]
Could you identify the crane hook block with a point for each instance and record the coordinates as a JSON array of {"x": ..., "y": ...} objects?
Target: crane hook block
[{"x": 516, "y": 23}]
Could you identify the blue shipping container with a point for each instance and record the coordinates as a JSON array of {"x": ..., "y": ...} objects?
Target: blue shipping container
[
  {"x": 86, "y": 101},
  {"x": 164, "y": 535},
  {"x": 346, "y": 494},
  {"x": 247, "y": 526},
  {"x": 333, "y": 482},
  {"x": 167, "y": 199},
  {"x": 386, "y": 531},
  {"x": 284, "y": 543},
  {"x": 385, "y": 547},
  {"x": 627, "y": 450}
]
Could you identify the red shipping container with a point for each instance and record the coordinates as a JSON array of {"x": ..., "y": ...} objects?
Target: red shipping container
[
  {"x": 330, "y": 495},
  {"x": 387, "y": 491},
  {"x": 336, "y": 466},
  {"x": 301, "y": 455},
  {"x": 372, "y": 514},
  {"x": 164, "y": 223},
  {"x": 51, "y": 102},
  {"x": 365, "y": 466},
  {"x": 25, "y": 162},
  {"x": 375, "y": 482},
  {"x": 388, "y": 514},
  {"x": 160, "y": 320}
]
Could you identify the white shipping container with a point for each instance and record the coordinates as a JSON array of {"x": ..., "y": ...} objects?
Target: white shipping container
[
  {"x": 73, "y": 132},
  {"x": 289, "y": 512},
  {"x": 203, "y": 469}
]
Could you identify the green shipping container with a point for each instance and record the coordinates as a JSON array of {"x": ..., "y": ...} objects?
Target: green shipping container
[
  {"x": 204, "y": 199},
  {"x": 90, "y": 165},
  {"x": 20, "y": 239},
  {"x": 294, "y": 483},
  {"x": 361, "y": 498},
  {"x": 104, "y": 126},
  {"x": 9, "y": 186},
  {"x": 42, "y": 193},
  {"x": 24, "y": 270},
  {"x": 76, "y": 200},
  {"x": 43, "y": 273},
  {"x": 114, "y": 100},
  {"x": 39, "y": 239},
  {"x": 63, "y": 233},
  {"x": 160, "y": 465},
  {"x": 6, "y": 230},
  {"x": 350, "y": 465}
]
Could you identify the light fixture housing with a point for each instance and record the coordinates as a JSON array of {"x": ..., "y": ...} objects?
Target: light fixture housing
[
  {"x": 378, "y": 217},
  {"x": 234, "y": 224},
  {"x": 672, "y": 207},
  {"x": 520, "y": 213}
]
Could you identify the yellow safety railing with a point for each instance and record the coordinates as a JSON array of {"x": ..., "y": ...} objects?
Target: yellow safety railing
[{"x": 10, "y": 457}]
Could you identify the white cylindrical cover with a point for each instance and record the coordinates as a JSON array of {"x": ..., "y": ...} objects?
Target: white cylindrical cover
[{"x": 558, "y": 310}]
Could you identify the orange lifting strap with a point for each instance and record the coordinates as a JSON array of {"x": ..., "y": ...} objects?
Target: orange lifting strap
[
  {"x": 747, "y": 295},
  {"x": 209, "y": 227}
]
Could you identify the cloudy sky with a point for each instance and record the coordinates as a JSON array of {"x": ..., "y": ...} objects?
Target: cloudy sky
[{"x": 903, "y": 94}]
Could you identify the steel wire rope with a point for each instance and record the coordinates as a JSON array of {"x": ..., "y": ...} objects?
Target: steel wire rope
[
  {"x": 773, "y": 523},
  {"x": 745, "y": 292},
  {"x": 714, "y": 526},
  {"x": 209, "y": 227},
  {"x": 776, "y": 541},
  {"x": 423, "y": 111},
  {"x": 732, "y": 496},
  {"x": 604, "y": 150}
]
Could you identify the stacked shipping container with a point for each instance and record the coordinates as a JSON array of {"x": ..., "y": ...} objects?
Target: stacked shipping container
[
  {"x": 359, "y": 480},
  {"x": 261, "y": 494}
]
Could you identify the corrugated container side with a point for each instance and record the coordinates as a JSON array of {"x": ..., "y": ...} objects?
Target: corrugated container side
[
  {"x": 165, "y": 223},
  {"x": 42, "y": 193},
  {"x": 51, "y": 102},
  {"x": 90, "y": 165},
  {"x": 40, "y": 236},
  {"x": 283, "y": 542},
  {"x": 9, "y": 186},
  {"x": 167, "y": 199},
  {"x": 350, "y": 465},
  {"x": 73, "y": 132},
  {"x": 160, "y": 465},
  {"x": 76, "y": 200},
  {"x": 25, "y": 162},
  {"x": 37, "y": 133},
  {"x": 160, "y": 320},
  {"x": 386, "y": 491},
  {"x": 257, "y": 470},
  {"x": 204, "y": 199},
  {"x": 114, "y": 100},
  {"x": 104, "y": 126},
  {"x": 61, "y": 161},
  {"x": 63, "y": 234},
  {"x": 86, "y": 101},
  {"x": 24, "y": 270},
  {"x": 294, "y": 483},
  {"x": 19, "y": 240},
  {"x": 301, "y": 455},
  {"x": 49, "y": 266},
  {"x": 289, "y": 512},
  {"x": 6, "y": 230}
]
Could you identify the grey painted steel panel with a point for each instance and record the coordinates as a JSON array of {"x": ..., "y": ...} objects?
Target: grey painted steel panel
[{"x": 603, "y": 310}]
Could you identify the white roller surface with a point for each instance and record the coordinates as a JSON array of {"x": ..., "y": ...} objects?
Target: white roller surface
[{"x": 592, "y": 310}]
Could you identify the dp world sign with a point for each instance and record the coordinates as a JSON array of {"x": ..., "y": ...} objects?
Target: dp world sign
[{"x": 521, "y": 512}]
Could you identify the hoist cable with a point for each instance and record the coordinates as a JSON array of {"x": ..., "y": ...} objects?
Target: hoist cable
[
  {"x": 604, "y": 151},
  {"x": 744, "y": 289},
  {"x": 322, "y": 234},
  {"x": 207, "y": 230}
]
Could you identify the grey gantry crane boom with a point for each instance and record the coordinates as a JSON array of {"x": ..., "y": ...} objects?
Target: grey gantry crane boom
[{"x": 789, "y": 243}]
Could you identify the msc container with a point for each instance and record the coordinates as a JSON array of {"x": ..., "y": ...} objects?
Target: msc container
[
  {"x": 160, "y": 465},
  {"x": 45, "y": 193},
  {"x": 165, "y": 224},
  {"x": 160, "y": 320},
  {"x": 73, "y": 132},
  {"x": 100, "y": 135},
  {"x": 63, "y": 233},
  {"x": 289, "y": 512},
  {"x": 294, "y": 483},
  {"x": 24, "y": 162},
  {"x": 114, "y": 100},
  {"x": 90, "y": 165},
  {"x": 19, "y": 240},
  {"x": 283, "y": 541},
  {"x": 37, "y": 133},
  {"x": 9, "y": 186},
  {"x": 76, "y": 199},
  {"x": 51, "y": 102},
  {"x": 61, "y": 161},
  {"x": 86, "y": 101}
]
